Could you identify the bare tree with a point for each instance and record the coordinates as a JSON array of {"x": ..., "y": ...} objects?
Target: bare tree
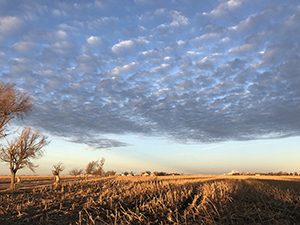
[
  {"x": 13, "y": 104},
  {"x": 76, "y": 172},
  {"x": 95, "y": 167},
  {"x": 91, "y": 166},
  {"x": 125, "y": 173},
  {"x": 19, "y": 151},
  {"x": 59, "y": 167},
  {"x": 99, "y": 170},
  {"x": 110, "y": 173}
]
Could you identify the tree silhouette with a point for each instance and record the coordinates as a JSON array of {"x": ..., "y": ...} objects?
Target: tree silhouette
[
  {"x": 19, "y": 151},
  {"x": 59, "y": 167},
  {"x": 95, "y": 167},
  {"x": 13, "y": 104},
  {"x": 99, "y": 170},
  {"x": 76, "y": 172}
]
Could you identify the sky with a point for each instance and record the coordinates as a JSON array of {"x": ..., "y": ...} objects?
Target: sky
[{"x": 187, "y": 86}]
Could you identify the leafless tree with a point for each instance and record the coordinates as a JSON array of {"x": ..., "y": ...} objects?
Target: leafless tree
[
  {"x": 125, "y": 173},
  {"x": 13, "y": 104},
  {"x": 59, "y": 167},
  {"x": 99, "y": 170},
  {"x": 110, "y": 173},
  {"x": 76, "y": 172},
  {"x": 91, "y": 166},
  {"x": 19, "y": 151},
  {"x": 95, "y": 167}
]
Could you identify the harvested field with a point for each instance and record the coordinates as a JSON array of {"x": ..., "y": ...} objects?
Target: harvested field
[
  {"x": 157, "y": 200},
  {"x": 33, "y": 181}
]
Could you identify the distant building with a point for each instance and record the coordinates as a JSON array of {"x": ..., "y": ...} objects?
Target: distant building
[
  {"x": 232, "y": 172},
  {"x": 147, "y": 173}
]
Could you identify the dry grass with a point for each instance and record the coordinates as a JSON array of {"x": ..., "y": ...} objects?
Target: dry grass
[{"x": 157, "y": 200}]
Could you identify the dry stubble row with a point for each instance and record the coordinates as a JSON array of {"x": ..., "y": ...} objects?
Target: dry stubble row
[{"x": 153, "y": 201}]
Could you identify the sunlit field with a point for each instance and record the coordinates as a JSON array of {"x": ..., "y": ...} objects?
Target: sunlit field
[{"x": 153, "y": 200}]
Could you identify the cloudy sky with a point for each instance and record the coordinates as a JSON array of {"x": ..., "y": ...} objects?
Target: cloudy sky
[{"x": 183, "y": 86}]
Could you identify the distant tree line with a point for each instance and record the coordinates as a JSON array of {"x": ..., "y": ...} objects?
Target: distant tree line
[
  {"x": 148, "y": 173},
  {"x": 165, "y": 174},
  {"x": 94, "y": 168},
  {"x": 280, "y": 173}
]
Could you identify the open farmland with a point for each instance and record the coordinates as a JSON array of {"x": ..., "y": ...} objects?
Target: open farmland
[
  {"x": 157, "y": 200},
  {"x": 33, "y": 181}
]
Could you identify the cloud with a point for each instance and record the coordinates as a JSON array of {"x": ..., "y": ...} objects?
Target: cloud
[
  {"x": 242, "y": 49},
  {"x": 61, "y": 34},
  {"x": 25, "y": 47},
  {"x": 94, "y": 41},
  {"x": 226, "y": 7},
  {"x": 128, "y": 45},
  {"x": 21, "y": 65},
  {"x": 9, "y": 24},
  {"x": 228, "y": 71},
  {"x": 123, "y": 69},
  {"x": 59, "y": 13},
  {"x": 168, "y": 21}
]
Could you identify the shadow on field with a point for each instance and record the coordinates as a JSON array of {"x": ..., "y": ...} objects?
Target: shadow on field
[
  {"x": 258, "y": 201},
  {"x": 292, "y": 185}
]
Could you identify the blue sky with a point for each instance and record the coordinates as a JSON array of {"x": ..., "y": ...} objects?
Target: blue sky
[{"x": 180, "y": 86}]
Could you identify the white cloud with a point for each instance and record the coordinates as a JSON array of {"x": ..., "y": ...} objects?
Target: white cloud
[
  {"x": 62, "y": 45},
  {"x": 242, "y": 49},
  {"x": 234, "y": 4},
  {"x": 226, "y": 7},
  {"x": 128, "y": 45},
  {"x": 225, "y": 39},
  {"x": 94, "y": 41},
  {"x": 207, "y": 36},
  {"x": 24, "y": 65},
  {"x": 24, "y": 46},
  {"x": 59, "y": 13},
  {"x": 9, "y": 24},
  {"x": 122, "y": 45},
  {"x": 84, "y": 58},
  {"x": 61, "y": 34},
  {"x": 160, "y": 68},
  {"x": 65, "y": 26},
  {"x": 178, "y": 19},
  {"x": 123, "y": 69}
]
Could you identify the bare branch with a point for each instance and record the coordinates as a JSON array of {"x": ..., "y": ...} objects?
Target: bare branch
[
  {"x": 12, "y": 104},
  {"x": 59, "y": 167},
  {"x": 95, "y": 167},
  {"x": 76, "y": 172},
  {"x": 19, "y": 152}
]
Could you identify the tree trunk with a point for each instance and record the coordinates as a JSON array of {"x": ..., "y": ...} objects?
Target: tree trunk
[
  {"x": 13, "y": 179},
  {"x": 57, "y": 179}
]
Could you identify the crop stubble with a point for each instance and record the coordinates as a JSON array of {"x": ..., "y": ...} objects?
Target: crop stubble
[{"x": 156, "y": 200}]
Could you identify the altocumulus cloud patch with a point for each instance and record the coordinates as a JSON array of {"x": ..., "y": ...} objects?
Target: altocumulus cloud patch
[{"x": 190, "y": 72}]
